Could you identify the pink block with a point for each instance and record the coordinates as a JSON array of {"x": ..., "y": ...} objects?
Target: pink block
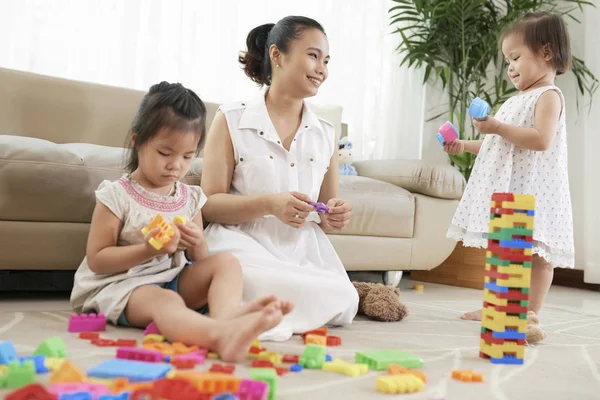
[
  {"x": 130, "y": 353},
  {"x": 151, "y": 329},
  {"x": 198, "y": 356},
  {"x": 253, "y": 390},
  {"x": 448, "y": 132},
  {"x": 95, "y": 389},
  {"x": 87, "y": 323}
]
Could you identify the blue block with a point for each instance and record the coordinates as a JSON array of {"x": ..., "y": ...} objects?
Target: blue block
[
  {"x": 76, "y": 396},
  {"x": 328, "y": 357},
  {"x": 516, "y": 244},
  {"x": 135, "y": 371},
  {"x": 507, "y": 360},
  {"x": 296, "y": 368},
  {"x": 122, "y": 396},
  {"x": 509, "y": 334},
  {"x": 38, "y": 361},
  {"x": 440, "y": 138},
  {"x": 7, "y": 352},
  {"x": 226, "y": 396},
  {"x": 167, "y": 359},
  {"x": 479, "y": 108},
  {"x": 495, "y": 288}
]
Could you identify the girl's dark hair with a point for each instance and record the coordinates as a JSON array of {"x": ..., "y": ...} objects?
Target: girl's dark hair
[
  {"x": 544, "y": 31},
  {"x": 166, "y": 105},
  {"x": 256, "y": 61}
]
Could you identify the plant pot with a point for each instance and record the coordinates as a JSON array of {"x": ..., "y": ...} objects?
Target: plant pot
[{"x": 464, "y": 268}]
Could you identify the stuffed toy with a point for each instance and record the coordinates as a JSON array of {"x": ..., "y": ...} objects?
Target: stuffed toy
[
  {"x": 344, "y": 147},
  {"x": 379, "y": 302},
  {"x": 534, "y": 332}
]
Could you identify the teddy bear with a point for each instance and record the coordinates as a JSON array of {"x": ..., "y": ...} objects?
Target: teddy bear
[
  {"x": 380, "y": 302},
  {"x": 534, "y": 332},
  {"x": 344, "y": 147}
]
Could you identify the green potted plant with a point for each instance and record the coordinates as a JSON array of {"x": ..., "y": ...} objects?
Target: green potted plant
[{"x": 455, "y": 41}]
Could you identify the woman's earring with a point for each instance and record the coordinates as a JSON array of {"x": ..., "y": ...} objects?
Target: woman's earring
[{"x": 277, "y": 65}]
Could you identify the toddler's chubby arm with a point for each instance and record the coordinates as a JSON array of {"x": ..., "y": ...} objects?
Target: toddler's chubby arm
[
  {"x": 103, "y": 254},
  {"x": 538, "y": 138},
  {"x": 460, "y": 146}
]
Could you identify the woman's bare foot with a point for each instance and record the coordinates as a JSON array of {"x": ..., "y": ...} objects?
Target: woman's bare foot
[
  {"x": 237, "y": 334},
  {"x": 472, "y": 316}
]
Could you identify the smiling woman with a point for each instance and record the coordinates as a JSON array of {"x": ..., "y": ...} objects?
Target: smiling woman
[{"x": 265, "y": 160}]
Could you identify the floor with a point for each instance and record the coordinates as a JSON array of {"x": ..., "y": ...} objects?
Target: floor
[{"x": 565, "y": 366}]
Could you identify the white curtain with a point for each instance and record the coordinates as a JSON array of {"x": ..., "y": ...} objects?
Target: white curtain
[
  {"x": 135, "y": 43},
  {"x": 591, "y": 168}
]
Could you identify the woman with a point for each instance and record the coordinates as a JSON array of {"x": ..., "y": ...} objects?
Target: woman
[{"x": 265, "y": 160}]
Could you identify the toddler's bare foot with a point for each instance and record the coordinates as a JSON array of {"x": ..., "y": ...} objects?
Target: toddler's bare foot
[
  {"x": 237, "y": 334},
  {"x": 253, "y": 306},
  {"x": 286, "y": 306},
  {"x": 472, "y": 316}
]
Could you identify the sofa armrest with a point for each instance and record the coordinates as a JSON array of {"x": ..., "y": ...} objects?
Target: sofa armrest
[{"x": 436, "y": 180}]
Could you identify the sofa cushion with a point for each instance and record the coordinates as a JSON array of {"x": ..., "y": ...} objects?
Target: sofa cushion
[
  {"x": 380, "y": 208},
  {"x": 45, "y": 181}
]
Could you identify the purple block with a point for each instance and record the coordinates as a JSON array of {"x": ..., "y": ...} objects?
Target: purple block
[
  {"x": 321, "y": 207},
  {"x": 151, "y": 329},
  {"x": 87, "y": 323},
  {"x": 253, "y": 390},
  {"x": 130, "y": 353}
]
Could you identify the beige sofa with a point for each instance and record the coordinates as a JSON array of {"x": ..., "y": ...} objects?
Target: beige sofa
[{"x": 60, "y": 139}]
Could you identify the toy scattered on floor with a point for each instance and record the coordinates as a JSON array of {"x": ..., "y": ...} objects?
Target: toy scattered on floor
[
  {"x": 395, "y": 369},
  {"x": 418, "y": 287},
  {"x": 87, "y": 323},
  {"x": 379, "y": 302},
  {"x": 7, "y": 353},
  {"x": 315, "y": 339},
  {"x": 466, "y": 375},
  {"x": 379, "y": 360},
  {"x": 165, "y": 233},
  {"x": 313, "y": 356},
  {"x": 151, "y": 329},
  {"x": 479, "y": 108},
  {"x": 507, "y": 278},
  {"x": 346, "y": 368},
  {"x": 52, "y": 347},
  {"x": 320, "y": 207},
  {"x": 447, "y": 133},
  {"x": 395, "y": 384},
  {"x": 345, "y": 157}
]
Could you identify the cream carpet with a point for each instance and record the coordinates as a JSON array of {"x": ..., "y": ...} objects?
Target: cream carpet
[{"x": 566, "y": 366}]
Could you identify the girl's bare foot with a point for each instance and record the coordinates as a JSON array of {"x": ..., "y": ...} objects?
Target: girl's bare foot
[
  {"x": 253, "y": 306},
  {"x": 472, "y": 316},
  {"x": 237, "y": 334},
  {"x": 286, "y": 306}
]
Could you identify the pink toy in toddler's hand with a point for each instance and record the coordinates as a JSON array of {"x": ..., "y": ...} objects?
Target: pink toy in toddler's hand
[
  {"x": 447, "y": 134},
  {"x": 151, "y": 329},
  {"x": 321, "y": 207},
  {"x": 87, "y": 323}
]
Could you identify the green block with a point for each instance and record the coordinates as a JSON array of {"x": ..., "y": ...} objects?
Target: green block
[
  {"x": 380, "y": 359},
  {"x": 525, "y": 290},
  {"x": 523, "y": 316},
  {"x": 496, "y": 261},
  {"x": 268, "y": 375},
  {"x": 53, "y": 347},
  {"x": 524, "y": 303},
  {"x": 19, "y": 375},
  {"x": 313, "y": 356},
  {"x": 508, "y": 233}
]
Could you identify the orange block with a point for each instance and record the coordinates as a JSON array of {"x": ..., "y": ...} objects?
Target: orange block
[
  {"x": 315, "y": 339},
  {"x": 466, "y": 375},
  {"x": 395, "y": 369},
  {"x": 67, "y": 373},
  {"x": 319, "y": 332}
]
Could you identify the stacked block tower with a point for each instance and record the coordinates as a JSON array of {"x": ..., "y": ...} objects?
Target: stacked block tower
[{"x": 507, "y": 278}]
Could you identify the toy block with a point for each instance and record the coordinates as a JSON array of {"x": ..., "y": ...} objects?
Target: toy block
[
  {"x": 253, "y": 390},
  {"x": 281, "y": 371},
  {"x": 8, "y": 353},
  {"x": 508, "y": 334},
  {"x": 500, "y": 350},
  {"x": 313, "y": 356},
  {"x": 447, "y": 133},
  {"x": 511, "y": 308},
  {"x": 507, "y": 360},
  {"x": 126, "y": 342},
  {"x": 328, "y": 358},
  {"x": 296, "y": 368},
  {"x": 212, "y": 356},
  {"x": 334, "y": 341},
  {"x": 198, "y": 356},
  {"x": 165, "y": 348},
  {"x": 505, "y": 253},
  {"x": 53, "y": 364},
  {"x": 39, "y": 363},
  {"x": 163, "y": 236},
  {"x": 262, "y": 364},
  {"x": 103, "y": 342},
  {"x": 315, "y": 339},
  {"x": 67, "y": 373},
  {"x": 497, "y": 322},
  {"x": 266, "y": 375},
  {"x": 510, "y": 233},
  {"x": 466, "y": 375},
  {"x": 33, "y": 391},
  {"x": 223, "y": 369},
  {"x": 181, "y": 348},
  {"x": 272, "y": 356},
  {"x": 179, "y": 220},
  {"x": 226, "y": 396},
  {"x": 290, "y": 358},
  {"x": 19, "y": 374},
  {"x": 488, "y": 337},
  {"x": 183, "y": 364},
  {"x": 89, "y": 335},
  {"x": 503, "y": 196},
  {"x": 95, "y": 389},
  {"x": 379, "y": 360},
  {"x": 87, "y": 323},
  {"x": 508, "y": 221},
  {"x": 52, "y": 347},
  {"x": 394, "y": 369},
  {"x": 479, "y": 108},
  {"x": 126, "y": 353},
  {"x": 346, "y": 368},
  {"x": 154, "y": 338},
  {"x": 320, "y": 331},
  {"x": 396, "y": 384},
  {"x": 520, "y": 294},
  {"x": 418, "y": 287},
  {"x": 151, "y": 329},
  {"x": 135, "y": 371},
  {"x": 514, "y": 281},
  {"x": 122, "y": 396},
  {"x": 217, "y": 383}
]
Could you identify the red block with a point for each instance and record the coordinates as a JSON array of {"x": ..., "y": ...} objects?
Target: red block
[
  {"x": 319, "y": 332},
  {"x": 496, "y": 275},
  {"x": 225, "y": 369},
  {"x": 503, "y": 197},
  {"x": 126, "y": 343},
  {"x": 290, "y": 358},
  {"x": 510, "y": 308},
  {"x": 34, "y": 391},
  {"x": 186, "y": 363},
  {"x": 89, "y": 335},
  {"x": 103, "y": 342},
  {"x": 262, "y": 364},
  {"x": 500, "y": 210},
  {"x": 281, "y": 371},
  {"x": 334, "y": 341},
  {"x": 513, "y": 294},
  {"x": 491, "y": 339}
]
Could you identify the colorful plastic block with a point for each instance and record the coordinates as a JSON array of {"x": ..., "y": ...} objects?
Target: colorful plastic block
[
  {"x": 320, "y": 331},
  {"x": 466, "y": 375},
  {"x": 290, "y": 358},
  {"x": 126, "y": 353},
  {"x": 328, "y": 358},
  {"x": 313, "y": 356},
  {"x": 122, "y": 396},
  {"x": 163, "y": 236},
  {"x": 380, "y": 359},
  {"x": 126, "y": 342},
  {"x": 272, "y": 356},
  {"x": 179, "y": 220},
  {"x": 95, "y": 389},
  {"x": 395, "y": 384},
  {"x": 418, "y": 287},
  {"x": 315, "y": 339},
  {"x": 500, "y": 350},
  {"x": 76, "y": 396},
  {"x": 507, "y": 360},
  {"x": 8, "y": 353},
  {"x": 479, "y": 108},
  {"x": 320, "y": 207},
  {"x": 226, "y": 396},
  {"x": 34, "y": 391},
  {"x": 39, "y": 363},
  {"x": 53, "y": 363},
  {"x": 296, "y": 368},
  {"x": 447, "y": 133},
  {"x": 103, "y": 342},
  {"x": 135, "y": 371},
  {"x": 19, "y": 374},
  {"x": 262, "y": 364},
  {"x": 151, "y": 329},
  {"x": 281, "y": 371},
  {"x": 87, "y": 323},
  {"x": 67, "y": 373},
  {"x": 266, "y": 375},
  {"x": 89, "y": 335},
  {"x": 346, "y": 368},
  {"x": 198, "y": 356},
  {"x": 154, "y": 337},
  {"x": 488, "y": 337},
  {"x": 334, "y": 341},
  {"x": 222, "y": 368},
  {"x": 394, "y": 369},
  {"x": 253, "y": 390},
  {"x": 52, "y": 347}
]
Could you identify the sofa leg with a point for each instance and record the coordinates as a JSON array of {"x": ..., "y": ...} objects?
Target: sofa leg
[{"x": 392, "y": 278}]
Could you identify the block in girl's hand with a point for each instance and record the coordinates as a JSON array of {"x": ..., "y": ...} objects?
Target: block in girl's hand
[
  {"x": 479, "y": 108},
  {"x": 447, "y": 133}
]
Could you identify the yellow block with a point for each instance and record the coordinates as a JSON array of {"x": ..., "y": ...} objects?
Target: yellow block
[
  {"x": 154, "y": 337},
  {"x": 393, "y": 384},
  {"x": 490, "y": 297},
  {"x": 499, "y": 350},
  {"x": 272, "y": 356},
  {"x": 498, "y": 321},
  {"x": 343, "y": 367},
  {"x": 512, "y": 282},
  {"x": 67, "y": 373},
  {"x": 4, "y": 368},
  {"x": 512, "y": 269},
  {"x": 53, "y": 363},
  {"x": 521, "y": 202},
  {"x": 316, "y": 339},
  {"x": 510, "y": 221}
]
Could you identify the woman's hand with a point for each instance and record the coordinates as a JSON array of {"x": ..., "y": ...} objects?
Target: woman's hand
[
  {"x": 191, "y": 235},
  {"x": 168, "y": 248},
  {"x": 291, "y": 208},
  {"x": 339, "y": 214}
]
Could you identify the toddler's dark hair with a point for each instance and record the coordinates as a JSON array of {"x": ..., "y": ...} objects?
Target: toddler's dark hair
[
  {"x": 541, "y": 31},
  {"x": 166, "y": 105},
  {"x": 256, "y": 61}
]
